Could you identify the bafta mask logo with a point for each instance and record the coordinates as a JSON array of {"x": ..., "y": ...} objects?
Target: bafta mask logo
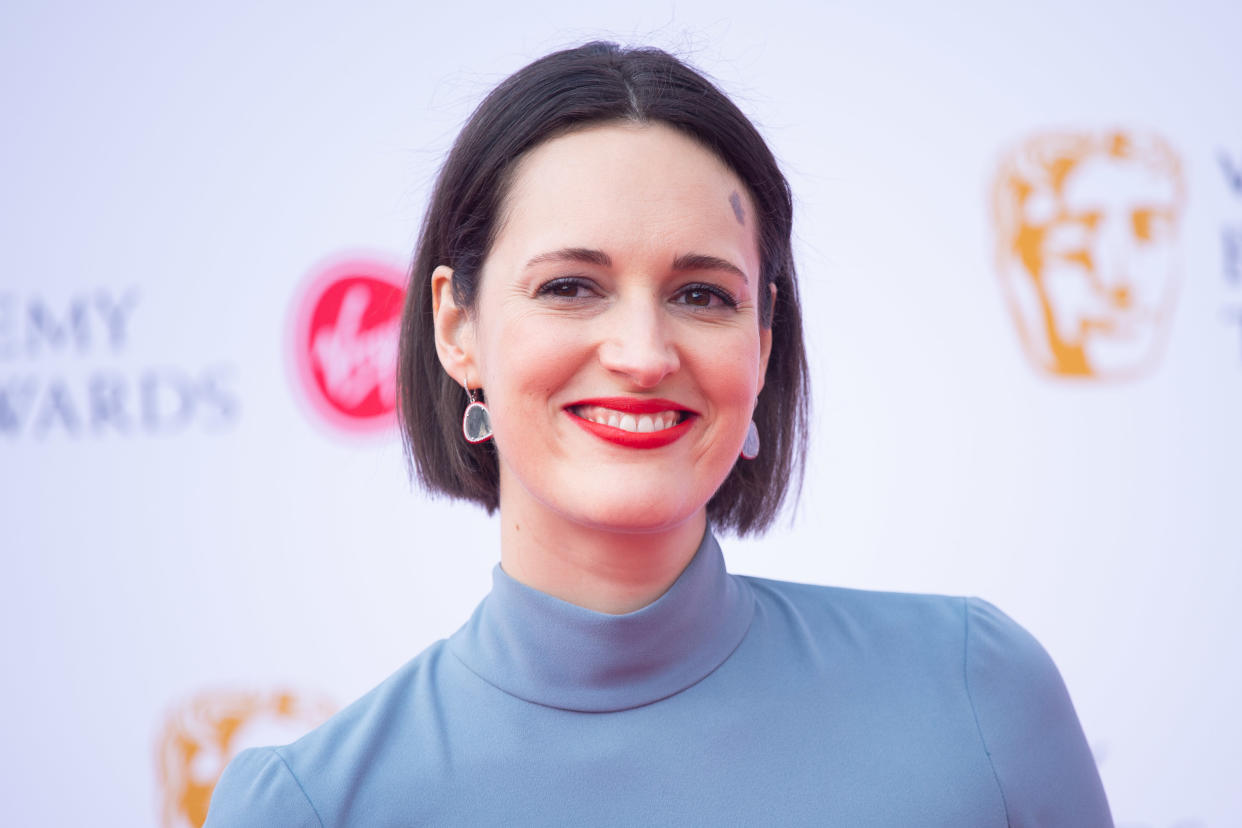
[
  {"x": 1086, "y": 230},
  {"x": 200, "y": 737},
  {"x": 344, "y": 343}
]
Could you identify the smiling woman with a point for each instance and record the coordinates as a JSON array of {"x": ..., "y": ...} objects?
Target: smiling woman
[
  {"x": 620, "y": 292},
  {"x": 604, "y": 286},
  {"x": 516, "y": 156}
]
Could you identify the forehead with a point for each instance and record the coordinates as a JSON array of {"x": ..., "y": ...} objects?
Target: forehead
[{"x": 621, "y": 183}]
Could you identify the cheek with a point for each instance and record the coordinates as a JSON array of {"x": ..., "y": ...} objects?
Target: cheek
[
  {"x": 728, "y": 369},
  {"x": 524, "y": 360}
]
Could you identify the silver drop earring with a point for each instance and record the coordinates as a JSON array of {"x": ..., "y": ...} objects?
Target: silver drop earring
[
  {"x": 476, "y": 422},
  {"x": 750, "y": 448}
]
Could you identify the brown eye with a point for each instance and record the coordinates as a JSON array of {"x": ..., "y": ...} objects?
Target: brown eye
[
  {"x": 564, "y": 289},
  {"x": 705, "y": 296},
  {"x": 698, "y": 297}
]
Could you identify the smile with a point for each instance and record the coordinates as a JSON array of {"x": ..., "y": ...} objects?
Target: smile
[
  {"x": 633, "y": 423},
  {"x": 638, "y": 423}
]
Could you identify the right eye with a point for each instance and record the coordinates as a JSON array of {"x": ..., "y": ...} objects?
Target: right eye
[{"x": 565, "y": 288}]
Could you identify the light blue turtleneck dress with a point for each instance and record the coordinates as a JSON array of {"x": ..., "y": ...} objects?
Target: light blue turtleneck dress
[{"x": 729, "y": 701}]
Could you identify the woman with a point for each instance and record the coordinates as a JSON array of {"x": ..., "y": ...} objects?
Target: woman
[{"x": 603, "y": 340}]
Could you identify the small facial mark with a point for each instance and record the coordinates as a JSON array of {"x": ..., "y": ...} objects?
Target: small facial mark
[{"x": 735, "y": 201}]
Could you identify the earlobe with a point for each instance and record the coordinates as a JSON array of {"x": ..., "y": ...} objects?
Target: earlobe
[{"x": 454, "y": 328}]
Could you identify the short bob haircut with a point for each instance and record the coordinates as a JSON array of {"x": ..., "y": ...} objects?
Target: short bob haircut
[{"x": 595, "y": 84}]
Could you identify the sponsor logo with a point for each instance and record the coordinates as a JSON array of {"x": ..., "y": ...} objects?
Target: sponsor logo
[
  {"x": 65, "y": 370},
  {"x": 1087, "y": 227},
  {"x": 200, "y": 736},
  {"x": 344, "y": 343}
]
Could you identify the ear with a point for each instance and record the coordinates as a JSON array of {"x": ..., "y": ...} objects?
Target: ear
[
  {"x": 455, "y": 342},
  {"x": 765, "y": 343}
]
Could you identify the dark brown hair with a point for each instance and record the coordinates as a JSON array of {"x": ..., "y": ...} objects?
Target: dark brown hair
[{"x": 564, "y": 91}]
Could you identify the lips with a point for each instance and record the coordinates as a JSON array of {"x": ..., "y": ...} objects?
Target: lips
[{"x": 633, "y": 422}]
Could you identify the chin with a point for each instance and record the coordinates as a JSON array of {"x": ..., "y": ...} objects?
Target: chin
[{"x": 639, "y": 515}]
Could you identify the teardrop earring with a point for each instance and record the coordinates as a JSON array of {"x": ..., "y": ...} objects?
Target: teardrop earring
[
  {"x": 750, "y": 447},
  {"x": 476, "y": 421}
]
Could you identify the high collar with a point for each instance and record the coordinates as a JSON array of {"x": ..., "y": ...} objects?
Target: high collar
[{"x": 554, "y": 653}]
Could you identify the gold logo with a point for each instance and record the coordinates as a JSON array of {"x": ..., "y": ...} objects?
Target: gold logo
[
  {"x": 201, "y": 736},
  {"x": 1086, "y": 231}
]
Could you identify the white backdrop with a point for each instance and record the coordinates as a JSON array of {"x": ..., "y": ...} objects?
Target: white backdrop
[{"x": 196, "y": 560}]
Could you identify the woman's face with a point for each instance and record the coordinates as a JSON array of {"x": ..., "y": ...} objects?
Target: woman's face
[{"x": 617, "y": 334}]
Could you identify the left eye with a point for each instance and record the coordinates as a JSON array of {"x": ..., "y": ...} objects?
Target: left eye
[
  {"x": 565, "y": 290},
  {"x": 700, "y": 296}
]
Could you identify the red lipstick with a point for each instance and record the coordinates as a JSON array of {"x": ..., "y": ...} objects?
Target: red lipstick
[{"x": 634, "y": 405}]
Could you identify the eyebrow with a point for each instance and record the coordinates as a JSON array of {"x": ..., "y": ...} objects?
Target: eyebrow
[
  {"x": 686, "y": 261},
  {"x": 698, "y": 261},
  {"x": 573, "y": 254}
]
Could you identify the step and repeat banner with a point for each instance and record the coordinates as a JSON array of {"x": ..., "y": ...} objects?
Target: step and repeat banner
[{"x": 1019, "y": 235}]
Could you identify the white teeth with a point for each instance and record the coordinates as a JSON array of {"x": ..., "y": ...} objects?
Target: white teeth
[{"x": 641, "y": 423}]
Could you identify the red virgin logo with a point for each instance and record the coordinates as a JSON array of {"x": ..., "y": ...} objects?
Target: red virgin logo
[{"x": 345, "y": 330}]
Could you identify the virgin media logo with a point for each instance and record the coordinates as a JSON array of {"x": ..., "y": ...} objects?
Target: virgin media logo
[{"x": 345, "y": 331}]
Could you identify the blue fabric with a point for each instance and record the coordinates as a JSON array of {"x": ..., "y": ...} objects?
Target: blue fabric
[{"x": 728, "y": 701}]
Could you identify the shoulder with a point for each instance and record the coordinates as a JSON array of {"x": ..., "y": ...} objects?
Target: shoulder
[
  {"x": 982, "y": 645},
  {"x": 258, "y": 789},
  {"x": 911, "y": 647},
  {"x": 886, "y": 621},
  {"x": 862, "y": 638},
  {"x": 871, "y": 603},
  {"x": 1014, "y": 685},
  {"x": 1000, "y": 651},
  {"x": 309, "y": 781},
  {"x": 955, "y": 620},
  {"x": 1028, "y": 725}
]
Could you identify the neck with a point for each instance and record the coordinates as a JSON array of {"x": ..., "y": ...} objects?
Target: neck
[{"x": 601, "y": 570}]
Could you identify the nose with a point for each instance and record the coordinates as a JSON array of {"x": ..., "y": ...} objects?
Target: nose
[{"x": 638, "y": 345}]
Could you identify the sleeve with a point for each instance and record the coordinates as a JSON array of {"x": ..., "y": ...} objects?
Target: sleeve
[
  {"x": 1029, "y": 728},
  {"x": 258, "y": 789}
]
